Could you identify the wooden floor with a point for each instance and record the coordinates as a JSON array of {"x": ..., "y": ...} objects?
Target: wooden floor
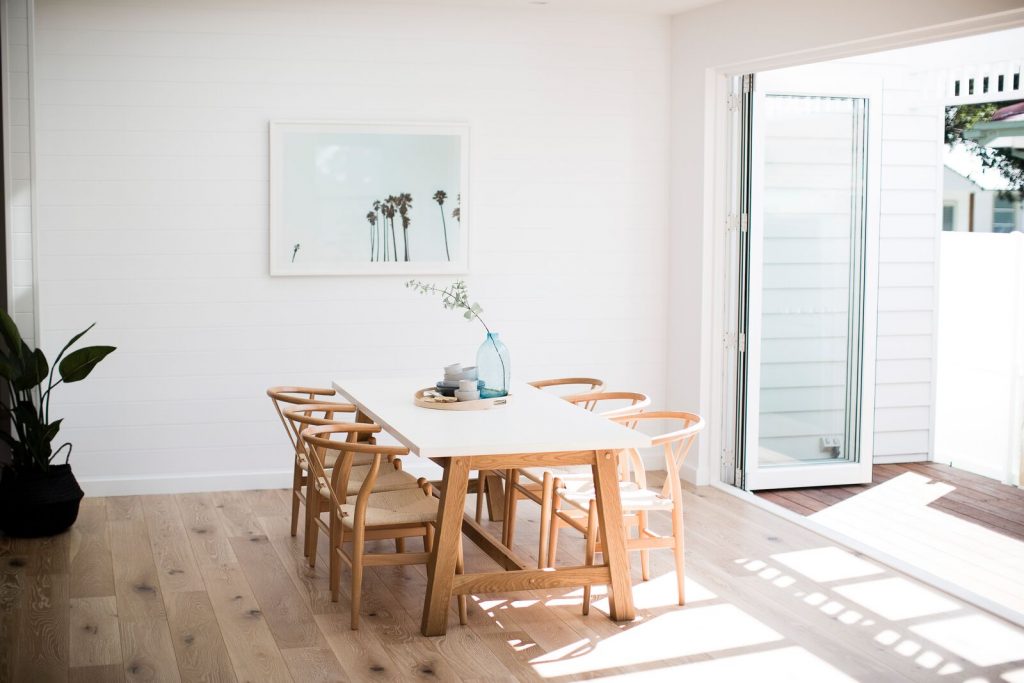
[
  {"x": 974, "y": 498},
  {"x": 211, "y": 587}
]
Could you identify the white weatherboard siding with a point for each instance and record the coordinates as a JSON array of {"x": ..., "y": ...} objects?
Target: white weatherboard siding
[
  {"x": 152, "y": 141},
  {"x": 17, "y": 64}
]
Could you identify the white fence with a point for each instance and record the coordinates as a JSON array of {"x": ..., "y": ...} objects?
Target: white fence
[{"x": 979, "y": 411}]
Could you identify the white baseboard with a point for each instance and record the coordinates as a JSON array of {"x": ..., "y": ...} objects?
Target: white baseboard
[
  {"x": 186, "y": 483},
  {"x": 218, "y": 481},
  {"x": 896, "y": 459}
]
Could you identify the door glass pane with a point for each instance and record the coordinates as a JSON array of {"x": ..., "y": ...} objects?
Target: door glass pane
[{"x": 813, "y": 227}]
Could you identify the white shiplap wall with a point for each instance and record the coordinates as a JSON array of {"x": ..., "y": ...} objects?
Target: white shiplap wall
[
  {"x": 152, "y": 211},
  {"x": 18, "y": 140},
  {"x": 909, "y": 222}
]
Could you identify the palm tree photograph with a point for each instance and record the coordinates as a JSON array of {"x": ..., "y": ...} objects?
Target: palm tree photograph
[{"x": 368, "y": 199}]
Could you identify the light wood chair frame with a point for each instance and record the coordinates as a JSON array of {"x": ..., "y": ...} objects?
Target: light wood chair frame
[
  {"x": 541, "y": 489},
  {"x": 488, "y": 481},
  {"x": 304, "y": 417},
  {"x": 283, "y": 398},
  {"x": 318, "y": 441},
  {"x": 676, "y": 446}
]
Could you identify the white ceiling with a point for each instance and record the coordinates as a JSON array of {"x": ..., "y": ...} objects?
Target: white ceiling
[{"x": 633, "y": 6}]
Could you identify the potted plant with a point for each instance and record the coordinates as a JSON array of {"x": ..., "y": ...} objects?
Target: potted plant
[{"x": 37, "y": 497}]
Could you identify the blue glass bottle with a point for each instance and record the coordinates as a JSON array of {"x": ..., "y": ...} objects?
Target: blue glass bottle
[{"x": 493, "y": 366}]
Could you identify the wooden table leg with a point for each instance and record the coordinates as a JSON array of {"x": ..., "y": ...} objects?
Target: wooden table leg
[
  {"x": 441, "y": 567},
  {"x": 613, "y": 536},
  {"x": 495, "y": 498}
]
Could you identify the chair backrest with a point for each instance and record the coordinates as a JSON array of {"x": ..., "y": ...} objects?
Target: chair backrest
[
  {"x": 676, "y": 444},
  {"x": 343, "y": 437},
  {"x": 581, "y": 384},
  {"x": 285, "y": 397},
  {"x": 611, "y": 403}
]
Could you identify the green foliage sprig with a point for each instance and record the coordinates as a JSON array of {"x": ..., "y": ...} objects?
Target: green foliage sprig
[{"x": 455, "y": 297}]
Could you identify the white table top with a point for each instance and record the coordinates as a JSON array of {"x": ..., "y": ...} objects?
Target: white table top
[{"x": 534, "y": 421}]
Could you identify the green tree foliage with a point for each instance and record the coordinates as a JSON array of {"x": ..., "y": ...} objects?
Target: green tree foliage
[{"x": 961, "y": 119}]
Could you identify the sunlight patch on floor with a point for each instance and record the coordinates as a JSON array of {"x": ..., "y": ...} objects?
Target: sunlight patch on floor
[
  {"x": 781, "y": 665},
  {"x": 978, "y": 638},
  {"x": 827, "y": 563},
  {"x": 675, "y": 634},
  {"x": 896, "y": 598}
]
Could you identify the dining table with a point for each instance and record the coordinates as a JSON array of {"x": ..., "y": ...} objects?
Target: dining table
[{"x": 533, "y": 428}]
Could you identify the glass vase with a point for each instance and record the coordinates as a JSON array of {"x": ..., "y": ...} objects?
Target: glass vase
[{"x": 493, "y": 367}]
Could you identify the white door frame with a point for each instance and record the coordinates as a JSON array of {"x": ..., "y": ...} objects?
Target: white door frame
[{"x": 717, "y": 389}]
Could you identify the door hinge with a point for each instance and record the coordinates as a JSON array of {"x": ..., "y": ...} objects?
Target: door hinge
[
  {"x": 739, "y": 478},
  {"x": 747, "y": 83},
  {"x": 742, "y": 342},
  {"x": 730, "y": 340},
  {"x": 744, "y": 222},
  {"x": 732, "y": 222}
]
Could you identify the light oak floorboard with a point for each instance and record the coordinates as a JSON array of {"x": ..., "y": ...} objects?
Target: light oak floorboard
[
  {"x": 750, "y": 603},
  {"x": 95, "y": 632},
  {"x": 198, "y": 644}
]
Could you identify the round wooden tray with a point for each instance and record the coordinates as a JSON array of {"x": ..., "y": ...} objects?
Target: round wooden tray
[{"x": 482, "y": 404}]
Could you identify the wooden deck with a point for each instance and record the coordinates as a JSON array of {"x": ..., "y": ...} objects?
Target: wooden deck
[
  {"x": 974, "y": 498},
  {"x": 956, "y": 526},
  {"x": 210, "y": 586}
]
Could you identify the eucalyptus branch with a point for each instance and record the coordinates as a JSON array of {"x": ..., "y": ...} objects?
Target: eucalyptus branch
[{"x": 456, "y": 297}]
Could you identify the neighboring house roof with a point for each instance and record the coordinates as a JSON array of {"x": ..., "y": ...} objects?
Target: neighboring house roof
[
  {"x": 954, "y": 181},
  {"x": 1013, "y": 112},
  {"x": 965, "y": 163}
]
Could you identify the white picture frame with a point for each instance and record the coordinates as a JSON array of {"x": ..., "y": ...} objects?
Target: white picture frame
[{"x": 328, "y": 177}]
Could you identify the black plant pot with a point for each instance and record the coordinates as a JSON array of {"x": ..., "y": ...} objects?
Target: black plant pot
[{"x": 38, "y": 504}]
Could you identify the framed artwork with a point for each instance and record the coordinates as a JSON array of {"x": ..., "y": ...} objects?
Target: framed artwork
[{"x": 368, "y": 199}]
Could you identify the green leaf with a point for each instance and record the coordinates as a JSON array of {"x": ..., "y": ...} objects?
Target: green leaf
[
  {"x": 80, "y": 363},
  {"x": 6, "y": 369},
  {"x": 11, "y": 335},
  {"x": 35, "y": 369},
  {"x": 73, "y": 340},
  {"x": 476, "y": 308},
  {"x": 468, "y": 315},
  {"x": 51, "y": 430}
]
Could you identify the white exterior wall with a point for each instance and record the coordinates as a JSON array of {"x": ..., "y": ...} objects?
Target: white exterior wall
[
  {"x": 739, "y": 36},
  {"x": 980, "y": 401},
  {"x": 18, "y": 167},
  {"x": 152, "y": 144}
]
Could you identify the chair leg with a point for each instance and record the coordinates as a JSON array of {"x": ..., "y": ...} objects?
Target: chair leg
[
  {"x": 481, "y": 490},
  {"x": 358, "y": 550},
  {"x": 546, "y": 494},
  {"x": 589, "y": 554},
  {"x": 645, "y": 555},
  {"x": 337, "y": 538},
  {"x": 460, "y": 567},
  {"x": 428, "y": 538},
  {"x": 511, "y": 499},
  {"x": 556, "y": 524},
  {"x": 296, "y": 487},
  {"x": 677, "y": 533},
  {"x": 312, "y": 514},
  {"x": 399, "y": 545}
]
